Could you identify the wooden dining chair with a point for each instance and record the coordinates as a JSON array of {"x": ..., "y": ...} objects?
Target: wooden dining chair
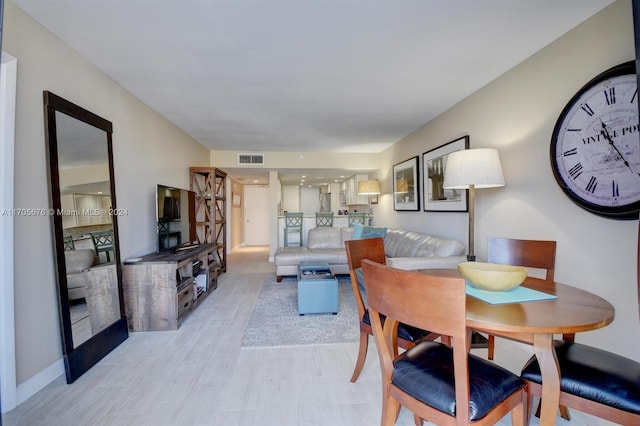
[
  {"x": 594, "y": 381},
  {"x": 539, "y": 254},
  {"x": 445, "y": 385},
  {"x": 373, "y": 249},
  {"x": 529, "y": 253}
]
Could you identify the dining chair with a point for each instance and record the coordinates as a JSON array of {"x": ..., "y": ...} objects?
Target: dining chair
[
  {"x": 529, "y": 253},
  {"x": 293, "y": 225},
  {"x": 594, "y": 381},
  {"x": 373, "y": 249},
  {"x": 539, "y": 254},
  {"x": 443, "y": 384},
  {"x": 67, "y": 240},
  {"x": 324, "y": 219},
  {"x": 356, "y": 218},
  {"x": 103, "y": 243}
]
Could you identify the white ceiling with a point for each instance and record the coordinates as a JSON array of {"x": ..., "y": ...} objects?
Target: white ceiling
[{"x": 306, "y": 75}]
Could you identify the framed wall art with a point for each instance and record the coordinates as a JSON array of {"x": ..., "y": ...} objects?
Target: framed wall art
[
  {"x": 236, "y": 200},
  {"x": 406, "y": 185},
  {"x": 436, "y": 198}
]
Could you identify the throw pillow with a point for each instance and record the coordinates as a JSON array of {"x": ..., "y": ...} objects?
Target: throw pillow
[{"x": 361, "y": 232}]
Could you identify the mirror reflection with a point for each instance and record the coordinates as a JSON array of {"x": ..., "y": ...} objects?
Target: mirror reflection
[{"x": 89, "y": 251}]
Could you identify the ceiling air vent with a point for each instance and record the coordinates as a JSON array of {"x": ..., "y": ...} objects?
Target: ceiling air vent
[{"x": 250, "y": 158}]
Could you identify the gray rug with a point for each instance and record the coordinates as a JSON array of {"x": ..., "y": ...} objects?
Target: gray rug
[{"x": 275, "y": 320}]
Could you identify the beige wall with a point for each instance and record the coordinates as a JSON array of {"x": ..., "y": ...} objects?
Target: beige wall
[
  {"x": 147, "y": 150},
  {"x": 516, "y": 114},
  {"x": 235, "y": 228}
]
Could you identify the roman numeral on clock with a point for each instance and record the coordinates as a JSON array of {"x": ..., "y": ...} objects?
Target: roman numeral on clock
[
  {"x": 614, "y": 188},
  {"x": 576, "y": 171},
  {"x": 572, "y": 151},
  {"x": 633, "y": 98},
  {"x": 591, "y": 186},
  {"x": 610, "y": 95},
  {"x": 586, "y": 108}
]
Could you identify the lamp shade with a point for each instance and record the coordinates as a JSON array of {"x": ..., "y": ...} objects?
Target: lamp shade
[
  {"x": 368, "y": 187},
  {"x": 478, "y": 167}
]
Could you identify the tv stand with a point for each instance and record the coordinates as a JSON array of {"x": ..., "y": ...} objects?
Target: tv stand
[{"x": 161, "y": 289}]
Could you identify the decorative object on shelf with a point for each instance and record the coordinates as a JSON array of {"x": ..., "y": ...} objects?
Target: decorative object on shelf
[
  {"x": 595, "y": 155},
  {"x": 236, "y": 200},
  {"x": 493, "y": 276},
  {"x": 369, "y": 188},
  {"x": 471, "y": 169},
  {"x": 434, "y": 164},
  {"x": 406, "y": 194}
]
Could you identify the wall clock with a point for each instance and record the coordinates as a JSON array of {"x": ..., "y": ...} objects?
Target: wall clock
[{"x": 595, "y": 146}]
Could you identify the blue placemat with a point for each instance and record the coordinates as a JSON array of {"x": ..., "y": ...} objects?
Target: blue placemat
[{"x": 515, "y": 295}]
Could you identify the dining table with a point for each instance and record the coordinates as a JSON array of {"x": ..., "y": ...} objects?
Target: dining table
[{"x": 573, "y": 310}]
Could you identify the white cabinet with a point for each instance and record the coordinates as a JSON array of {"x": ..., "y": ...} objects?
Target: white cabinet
[
  {"x": 85, "y": 209},
  {"x": 351, "y": 190}
]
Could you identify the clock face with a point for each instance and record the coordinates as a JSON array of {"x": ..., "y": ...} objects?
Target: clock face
[{"x": 595, "y": 147}]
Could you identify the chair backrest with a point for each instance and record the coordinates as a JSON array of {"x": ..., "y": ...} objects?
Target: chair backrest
[
  {"x": 103, "y": 240},
  {"x": 324, "y": 219},
  {"x": 430, "y": 302},
  {"x": 293, "y": 220},
  {"x": 67, "y": 240},
  {"x": 529, "y": 253},
  {"x": 163, "y": 226},
  {"x": 357, "y": 251},
  {"x": 356, "y": 218}
]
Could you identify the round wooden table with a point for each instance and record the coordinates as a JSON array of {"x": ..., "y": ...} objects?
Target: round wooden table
[{"x": 536, "y": 322}]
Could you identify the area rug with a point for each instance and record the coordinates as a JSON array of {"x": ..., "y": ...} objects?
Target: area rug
[{"x": 275, "y": 320}]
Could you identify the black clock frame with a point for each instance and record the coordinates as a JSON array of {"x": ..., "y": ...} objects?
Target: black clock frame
[{"x": 625, "y": 212}]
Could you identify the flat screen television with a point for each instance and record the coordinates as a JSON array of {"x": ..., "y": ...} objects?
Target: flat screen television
[{"x": 176, "y": 217}]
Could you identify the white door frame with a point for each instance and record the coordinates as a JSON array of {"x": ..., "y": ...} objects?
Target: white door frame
[{"x": 8, "y": 387}]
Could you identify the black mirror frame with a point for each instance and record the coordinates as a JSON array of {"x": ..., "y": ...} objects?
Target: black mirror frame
[{"x": 81, "y": 358}]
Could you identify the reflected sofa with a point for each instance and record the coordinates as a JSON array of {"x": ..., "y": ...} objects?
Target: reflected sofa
[{"x": 404, "y": 250}]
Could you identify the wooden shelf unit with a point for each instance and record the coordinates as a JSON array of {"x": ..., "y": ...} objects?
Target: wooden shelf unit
[
  {"x": 161, "y": 289},
  {"x": 210, "y": 186}
]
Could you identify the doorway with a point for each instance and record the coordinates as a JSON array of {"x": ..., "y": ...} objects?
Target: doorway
[{"x": 256, "y": 215}]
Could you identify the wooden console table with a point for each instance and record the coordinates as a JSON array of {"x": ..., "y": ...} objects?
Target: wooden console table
[{"x": 161, "y": 289}]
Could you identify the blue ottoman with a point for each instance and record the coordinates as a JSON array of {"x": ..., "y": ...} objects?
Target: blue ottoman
[{"x": 317, "y": 289}]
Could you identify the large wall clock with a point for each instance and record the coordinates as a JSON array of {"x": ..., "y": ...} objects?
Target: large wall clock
[{"x": 595, "y": 147}]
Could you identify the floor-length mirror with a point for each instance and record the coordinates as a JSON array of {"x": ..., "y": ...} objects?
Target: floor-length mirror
[{"x": 85, "y": 233}]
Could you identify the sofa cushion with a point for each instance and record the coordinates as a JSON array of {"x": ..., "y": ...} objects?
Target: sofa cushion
[
  {"x": 361, "y": 232},
  {"x": 324, "y": 238},
  {"x": 401, "y": 243}
]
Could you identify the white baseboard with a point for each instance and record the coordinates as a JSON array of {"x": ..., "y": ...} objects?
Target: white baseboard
[{"x": 35, "y": 384}]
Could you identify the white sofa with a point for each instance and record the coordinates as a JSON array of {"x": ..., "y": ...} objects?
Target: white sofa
[{"x": 404, "y": 250}]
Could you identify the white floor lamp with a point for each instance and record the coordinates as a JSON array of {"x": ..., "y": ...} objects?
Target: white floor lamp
[{"x": 471, "y": 169}]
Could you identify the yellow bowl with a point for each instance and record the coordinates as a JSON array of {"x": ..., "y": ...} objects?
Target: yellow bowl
[{"x": 493, "y": 276}]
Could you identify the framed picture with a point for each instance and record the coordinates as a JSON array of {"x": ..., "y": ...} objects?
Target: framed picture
[
  {"x": 406, "y": 185},
  {"x": 236, "y": 200},
  {"x": 436, "y": 198}
]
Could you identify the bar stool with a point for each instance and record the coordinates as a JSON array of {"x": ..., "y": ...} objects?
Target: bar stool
[
  {"x": 356, "y": 218},
  {"x": 292, "y": 224},
  {"x": 324, "y": 219}
]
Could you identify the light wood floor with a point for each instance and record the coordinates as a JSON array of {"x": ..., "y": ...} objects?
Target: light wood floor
[{"x": 199, "y": 375}]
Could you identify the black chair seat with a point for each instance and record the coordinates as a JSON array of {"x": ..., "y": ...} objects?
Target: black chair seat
[
  {"x": 406, "y": 332},
  {"x": 426, "y": 372},
  {"x": 594, "y": 374}
]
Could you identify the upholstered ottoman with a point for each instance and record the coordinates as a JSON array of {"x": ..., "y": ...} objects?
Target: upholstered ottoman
[{"x": 317, "y": 289}]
